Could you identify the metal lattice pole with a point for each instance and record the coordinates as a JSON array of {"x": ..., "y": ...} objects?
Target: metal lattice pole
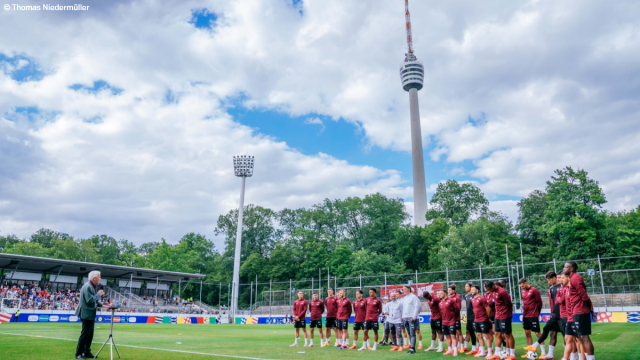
[{"x": 602, "y": 283}]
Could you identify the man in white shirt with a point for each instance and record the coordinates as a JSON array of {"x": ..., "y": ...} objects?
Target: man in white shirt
[
  {"x": 411, "y": 307},
  {"x": 394, "y": 317}
]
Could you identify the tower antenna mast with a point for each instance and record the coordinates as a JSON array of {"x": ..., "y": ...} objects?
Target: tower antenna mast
[{"x": 407, "y": 18}]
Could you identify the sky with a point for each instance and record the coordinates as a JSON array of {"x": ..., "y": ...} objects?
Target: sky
[{"x": 123, "y": 119}]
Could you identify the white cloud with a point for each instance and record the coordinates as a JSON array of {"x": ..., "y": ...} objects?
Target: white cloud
[{"x": 553, "y": 84}]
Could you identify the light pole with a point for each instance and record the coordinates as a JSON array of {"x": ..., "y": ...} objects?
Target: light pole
[{"x": 243, "y": 166}]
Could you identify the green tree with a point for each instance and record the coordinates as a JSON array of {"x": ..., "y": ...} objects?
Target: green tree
[
  {"x": 457, "y": 202},
  {"x": 47, "y": 237},
  {"x": 574, "y": 219},
  {"x": 366, "y": 262},
  {"x": 468, "y": 246},
  {"x": 8, "y": 241},
  {"x": 258, "y": 234},
  {"x": 28, "y": 248},
  {"x": 531, "y": 225},
  {"x": 416, "y": 246}
]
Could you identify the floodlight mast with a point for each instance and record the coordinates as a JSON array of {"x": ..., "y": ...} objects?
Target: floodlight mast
[{"x": 243, "y": 167}]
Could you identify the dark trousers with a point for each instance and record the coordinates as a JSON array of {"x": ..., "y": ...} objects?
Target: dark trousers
[
  {"x": 86, "y": 337},
  {"x": 410, "y": 325}
]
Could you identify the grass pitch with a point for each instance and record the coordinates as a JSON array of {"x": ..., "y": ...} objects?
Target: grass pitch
[{"x": 142, "y": 341}]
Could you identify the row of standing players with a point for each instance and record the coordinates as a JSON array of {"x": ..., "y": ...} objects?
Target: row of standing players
[{"x": 489, "y": 314}]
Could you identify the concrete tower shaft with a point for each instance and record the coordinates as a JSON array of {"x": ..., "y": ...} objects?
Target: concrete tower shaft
[{"x": 412, "y": 77}]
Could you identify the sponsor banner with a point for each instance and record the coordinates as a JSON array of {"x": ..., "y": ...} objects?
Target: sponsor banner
[
  {"x": 43, "y": 318},
  {"x": 117, "y": 319},
  {"x": 54, "y": 318},
  {"x": 32, "y": 318}
]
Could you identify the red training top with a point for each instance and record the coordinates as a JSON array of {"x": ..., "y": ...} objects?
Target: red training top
[
  {"x": 300, "y": 308},
  {"x": 491, "y": 298},
  {"x": 448, "y": 309},
  {"x": 531, "y": 302},
  {"x": 479, "y": 312},
  {"x": 316, "y": 308},
  {"x": 374, "y": 308},
  {"x": 331, "y": 306},
  {"x": 359, "y": 307},
  {"x": 504, "y": 306},
  {"x": 561, "y": 300},
  {"x": 458, "y": 300},
  {"x": 434, "y": 306},
  {"x": 578, "y": 298},
  {"x": 344, "y": 309}
]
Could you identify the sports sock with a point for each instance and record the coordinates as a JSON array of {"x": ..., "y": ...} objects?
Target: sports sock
[
  {"x": 374, "y": 345},
  {"x": 512, "y": 352},
  {"x": 296, "y": 342},
  {"x": 433, "y": 343},
  {"x": 535, "y": 345},
  {"x": 420, "y": 342},
  {"x": 580, "y": 356},
  {"x": 489, "y": 353},
  {"x": 591, "y": 357},
  {"x": 466, "y": 344},
  {"x": 310, "y": 342},
  {"x": 455, "y": 351},
  {"x": 473, "y": 348},
  {"x": 338, "y": 341},
  {"x": 551, "y": 349},
  {"x": 542, "y": 351},
  {"x": 305, "y": 341},
  {"x": 439, "y": 343},
  {"x": 497, "y": 349},
  {"x": 355, "y": 342},
  {"x": 481, "y": 349},
  {"x": 572, "y": 356}
]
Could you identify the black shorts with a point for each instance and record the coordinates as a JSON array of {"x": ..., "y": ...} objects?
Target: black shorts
[
  {"x": 342, "y": 324},
  {"x": 436, "y": 325},
  {"x": 582, "y": 324},
  {"x": 449, "y": 330},
  {"x": 531, "y": 323},
  {"x": 492, "y": 319},
  {"x": 301, "y": 324},
  {"x": 482, "y": 327},
  {"x": 371, "y": 325},
  {"x": 570, "y": 329},
  {"x": 503, "y": 326},
  {"x": 553, "y": 324},
  {"x": 470, "y": 325},
  {"x": 458, "y": 325},
  {"x": 562, "y": 324},
  {"x": 316, "y": 324},
  {"x": 358, "y": 326},
  {"x": 330, "y": 323}
]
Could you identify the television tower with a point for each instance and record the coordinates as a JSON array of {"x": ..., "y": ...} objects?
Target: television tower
[{"x": 412, "y": 76}]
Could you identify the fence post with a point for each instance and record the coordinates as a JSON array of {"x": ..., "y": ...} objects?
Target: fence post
[
  {"x": 250, "y": 299},
  {"x": 319, "y": 284},
  {"x": 506, "y": 249},
  {"x": 481, "y": 284},
  {"x": 270, "y": 297},
  {"x": 360, "y": 281},
  {"x": 328, "y": 280},
  {"x": 416, "y": 281},
  {"x": 516, "y": 286},
  {"x": 555, "y": 269},
  {"x": 447, "y": 277},
  {"x": 522, "y": 259},
  {"x": 386, "y": 289},
  {"x": 312, "y": 287},
  {"x": 335, "y": 284},
  {"x": 602, "y": 284},
  {"x": 200, "y": 294},
  {"x": 290, "y": 285}
]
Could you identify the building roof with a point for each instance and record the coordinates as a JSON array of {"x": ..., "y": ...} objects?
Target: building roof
[{"x": 23, "y": 263}]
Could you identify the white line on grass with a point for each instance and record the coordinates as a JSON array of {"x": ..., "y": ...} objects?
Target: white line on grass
[{"x": 143, "y": 347}]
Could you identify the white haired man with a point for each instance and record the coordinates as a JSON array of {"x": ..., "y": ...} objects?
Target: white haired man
[{"x": 87, "y": 304}]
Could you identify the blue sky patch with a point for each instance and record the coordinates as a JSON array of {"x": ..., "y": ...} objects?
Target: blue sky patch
[
  {"x": 20, "y": 68},
  {"x": 314, "y": 133},
  {"x": 203, "y": 19},
  {"x": 98, "y": 86}
]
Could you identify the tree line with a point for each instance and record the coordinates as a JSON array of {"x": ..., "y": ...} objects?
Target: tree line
[{"x": 372, "y": 235}]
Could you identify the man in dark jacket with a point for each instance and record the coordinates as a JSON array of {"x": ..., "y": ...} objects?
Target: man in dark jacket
[{"x": 88, "y": 303}]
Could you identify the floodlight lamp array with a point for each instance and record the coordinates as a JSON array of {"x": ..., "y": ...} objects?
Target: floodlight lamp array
[{"x": 243, "y": 165}]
